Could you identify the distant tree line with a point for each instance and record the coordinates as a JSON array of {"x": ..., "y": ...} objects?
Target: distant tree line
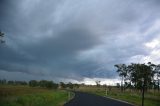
[
  {"x": 134, "y": 76},
  {"x": 69, "y": 85},
  {"x": 41, "y": 83},
  {"x": 11, "y": 82}
]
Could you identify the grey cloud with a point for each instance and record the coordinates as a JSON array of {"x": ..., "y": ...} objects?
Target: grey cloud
[{"x": 74, "y": 39}]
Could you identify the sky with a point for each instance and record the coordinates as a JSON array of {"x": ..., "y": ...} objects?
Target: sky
[{"x": 77, "y": 40}]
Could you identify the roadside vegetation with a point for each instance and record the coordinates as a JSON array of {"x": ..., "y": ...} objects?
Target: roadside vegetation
[
  {"x": 27, "y": 96},
  {"x": 33, "y": 93},
  {"x": 152, "y": 98},
  {"x": 135, "y": 78}
]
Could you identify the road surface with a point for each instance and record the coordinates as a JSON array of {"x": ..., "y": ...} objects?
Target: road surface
[{"x": 85, "y": 99}]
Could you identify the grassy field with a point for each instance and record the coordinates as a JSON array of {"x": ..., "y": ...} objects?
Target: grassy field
[
  {"x": 151, "y": 98},
  {"x": 28, "y": 96}
]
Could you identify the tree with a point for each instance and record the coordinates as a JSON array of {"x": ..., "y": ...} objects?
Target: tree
[
  {"x": 118, "y": 85},
  {"x": 43, "y": 83},
  {"x": 33, "y": 83},
  {"x": 98, "y": 83},
  {"x": 51, "y": 85},
  {"x": 157, "y": 75},
  {"x": 137, "y": 72},
  {"x": 1, "y": 37},
  {"x": 3, "y": 82},
  {"x": 63, "y": 85},
  {"x": 55, "y": 86},
  {"x": 48, "y": 84},
  {"x": 147, "y": 73},
  {"x": 70, "y": 85},
  {"x": 10, "y": 82},
  {"x": 20, "y": 82},
  {"x": 76, "y": 86},
  {"x": 122, "y": 70},
  {"x": 133, "y": 70}
]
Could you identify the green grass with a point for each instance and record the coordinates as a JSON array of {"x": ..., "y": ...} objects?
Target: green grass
[
  {"x": 151, "y": 98},
  {"x": 26, "y": 96}
]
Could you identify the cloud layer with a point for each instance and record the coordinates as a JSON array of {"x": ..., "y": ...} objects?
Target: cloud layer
[{"x": 76, "y": 39}]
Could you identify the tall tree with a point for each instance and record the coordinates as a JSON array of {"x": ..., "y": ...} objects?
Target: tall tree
[
  {"x": 63, "y": 85},
  {"x": 139, "y": 72},
  {"x": 70, "y": 85},
  {"x": 98, "y": 83},
  {"x": 33, "y": 83},
  {"x": 122, "y": 70},
  {"x": 157, "y": 75},
  {"x": 1, "y": 37}
]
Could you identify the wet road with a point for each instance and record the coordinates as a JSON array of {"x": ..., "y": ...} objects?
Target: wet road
[{"x": 85, "y": 99}]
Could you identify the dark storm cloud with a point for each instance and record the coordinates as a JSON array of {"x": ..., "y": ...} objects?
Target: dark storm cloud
[{"x": 74, "y": 39}]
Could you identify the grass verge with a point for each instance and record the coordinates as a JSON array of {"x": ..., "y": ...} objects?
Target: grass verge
[
  {"x": 151, "y": 98},
  {"x": 26, "y": 96}
]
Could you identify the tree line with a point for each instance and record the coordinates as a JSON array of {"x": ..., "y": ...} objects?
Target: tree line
[
  {"x": 11, "y": 82},
  {"x": 41, "y": 83},
  {"x": 136, "y": 75}
]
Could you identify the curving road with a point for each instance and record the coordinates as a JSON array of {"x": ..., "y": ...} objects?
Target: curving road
[{"x": 85, "y": 99}]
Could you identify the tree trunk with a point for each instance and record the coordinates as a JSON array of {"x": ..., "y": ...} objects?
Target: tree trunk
[
  {"x": 158, "y": 85},
  {"x": 122, "y": 85}
]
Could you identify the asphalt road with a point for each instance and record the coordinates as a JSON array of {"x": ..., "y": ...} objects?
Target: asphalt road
[{"x": 85, "y": 99}]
